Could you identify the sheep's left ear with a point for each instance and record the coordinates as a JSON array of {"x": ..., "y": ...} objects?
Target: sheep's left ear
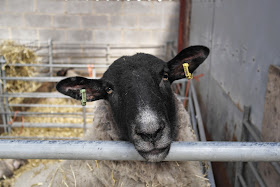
[
  {"x": 71, "y": 86},
  {"x": 193, "y": 55}
]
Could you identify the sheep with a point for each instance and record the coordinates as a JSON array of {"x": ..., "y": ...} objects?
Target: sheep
[
  {"x": 135, "y": 104},
  {"x": 68, "y": 72},
  {"x": 7, "y": 167}
]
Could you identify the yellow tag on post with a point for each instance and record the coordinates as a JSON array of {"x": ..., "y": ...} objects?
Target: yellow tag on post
[
  {"x": 84, "y": 97},
  {"x": 187, "y": 72}
]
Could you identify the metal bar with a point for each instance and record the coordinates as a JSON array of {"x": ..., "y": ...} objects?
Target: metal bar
[
  {"x": 37, "y": 79},
  {"x": 2, "y": 99},
  {"x": 242, "y": 181},
  {"x": 256, "y": 174},
  {"x": 198, "y": 115},
  {"x": 181, "y": 29},
  {"x": 50, "y": 56},
  {"x": 108, "y": 53},
  {"x": 44, "y": 125},
  {"x": 192, "y": 113},
  {"x": 59, "y": 65},
  {"x": 35, "y": 138},
  {"x": 103, "y": 46},
  {"x": 84, "y": 120},
  {"x": 50, "y": 106},
  {"x": 240, "y": 165},
  {"x": 238, "y": 174},
  {"x": 202, "y": 133},
  {"x": 45, "y": 113},
  {"x": 193, "y": 122},
  {"x": 276, "y": 167},
  {"x": 102, "y": 150},
  {"x": 6, "y": 105},
  {"x": 251, "y": 131},
  {"x": 254, "y": 134},
  {"x": 36, "y": 95}
]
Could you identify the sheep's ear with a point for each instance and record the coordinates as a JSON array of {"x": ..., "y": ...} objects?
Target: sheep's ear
[
  {"x": 193, "y": 55},
  {"x": 71, "y": 86}
]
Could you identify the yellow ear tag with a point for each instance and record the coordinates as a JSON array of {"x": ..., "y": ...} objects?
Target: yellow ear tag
[
  {"x": 84, "y": 97},
  {"x": 187, "y": 72}
]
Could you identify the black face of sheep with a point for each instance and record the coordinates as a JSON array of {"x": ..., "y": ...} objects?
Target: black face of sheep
[{"x": 138, "y": 89}]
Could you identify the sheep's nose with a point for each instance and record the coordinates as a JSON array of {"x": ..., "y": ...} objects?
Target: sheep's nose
[{"x": 151, "y": 136}]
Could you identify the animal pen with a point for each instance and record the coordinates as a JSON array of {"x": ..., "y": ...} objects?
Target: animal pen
[{"x": 92, "y": 60}]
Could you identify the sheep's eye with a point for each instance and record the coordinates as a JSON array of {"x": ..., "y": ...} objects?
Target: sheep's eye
[
  {"x": 165, "y": 76},
  {"x": 109, "y": 90}
]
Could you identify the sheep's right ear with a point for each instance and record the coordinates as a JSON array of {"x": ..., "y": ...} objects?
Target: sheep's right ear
[
  {"x": 71, "y": 87},
  {"x": 193, "y": 55}
]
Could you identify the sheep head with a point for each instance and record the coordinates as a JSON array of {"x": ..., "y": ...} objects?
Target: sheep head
[{"x": 138, "y": 89}]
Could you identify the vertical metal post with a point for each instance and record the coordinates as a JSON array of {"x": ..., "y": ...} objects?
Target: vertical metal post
[
  {"x": 2, "y": 61},
  {"x": 84, "y": 119},
  {"x": 108, "y": 54},
  {"x": 240, "y": 165},
  {"x": 192, "y": 113},
  {"x": 198, "y": 115},
  {"x": 166, "y": 51},
  {"x": 50, "y": 43},
  {"x": 202, "y": 133},
  {"x": 6, "y": 100}
]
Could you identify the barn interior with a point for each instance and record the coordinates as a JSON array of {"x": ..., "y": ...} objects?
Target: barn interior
[{"x": 237, "y": 88}]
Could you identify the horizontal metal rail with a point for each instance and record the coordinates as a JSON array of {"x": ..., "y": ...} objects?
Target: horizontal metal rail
[
  {"x": 50, "y": 106},
  {"x": 36, "y": 138},
  {"x": 45, "y": 113},
  {"x": 57, "y": 65},
  {"x": 36, "y": 95},
  {"x": 36, "y": 79},
  {"x": 102, "y": 150},
  {"x": 45, "y": 125},
  {"x": 58, "y": 44}
]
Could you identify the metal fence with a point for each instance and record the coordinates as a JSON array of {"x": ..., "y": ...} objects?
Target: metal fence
[
  {"x": 54, "y": 56},
  {"x": 249, "y": 131}
]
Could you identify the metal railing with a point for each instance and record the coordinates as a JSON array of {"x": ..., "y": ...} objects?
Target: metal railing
[
  {"x": 102, "y": 150},
  {"x": 51, "y": 54},
  {"x": 55, "y": 55},
  {"x": 248, "y": 130},
  {"x": 184, "y": 86}
]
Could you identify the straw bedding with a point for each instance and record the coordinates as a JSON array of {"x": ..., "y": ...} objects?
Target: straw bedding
[{"x": 16, "y": 53}]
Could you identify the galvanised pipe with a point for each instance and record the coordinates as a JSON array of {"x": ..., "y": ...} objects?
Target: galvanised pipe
[{"x": 102, "y": 150}]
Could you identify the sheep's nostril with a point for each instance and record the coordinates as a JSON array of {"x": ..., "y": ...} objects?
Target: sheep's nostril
[
  {"x": 157, "y": 134},
  {"x": 145, "y": 137},
  {"x": 153, "y": 136}
]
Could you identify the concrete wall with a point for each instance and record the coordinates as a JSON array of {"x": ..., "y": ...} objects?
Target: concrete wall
[
  {"x": 244, "y": 41},
  {"x": 98, "y": 22}
]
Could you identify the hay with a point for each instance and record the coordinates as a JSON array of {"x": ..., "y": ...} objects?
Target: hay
[
  {"x": 56, "y": 119},
  {"x": 16, "y": 53},
  {"x": 46, "y": 132}
]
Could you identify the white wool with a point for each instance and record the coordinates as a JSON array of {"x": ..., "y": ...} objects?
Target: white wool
[{"x": 88, "y": 173}]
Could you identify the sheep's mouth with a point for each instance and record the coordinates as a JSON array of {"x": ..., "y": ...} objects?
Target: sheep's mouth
[{"x": 155, "y": 155}]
